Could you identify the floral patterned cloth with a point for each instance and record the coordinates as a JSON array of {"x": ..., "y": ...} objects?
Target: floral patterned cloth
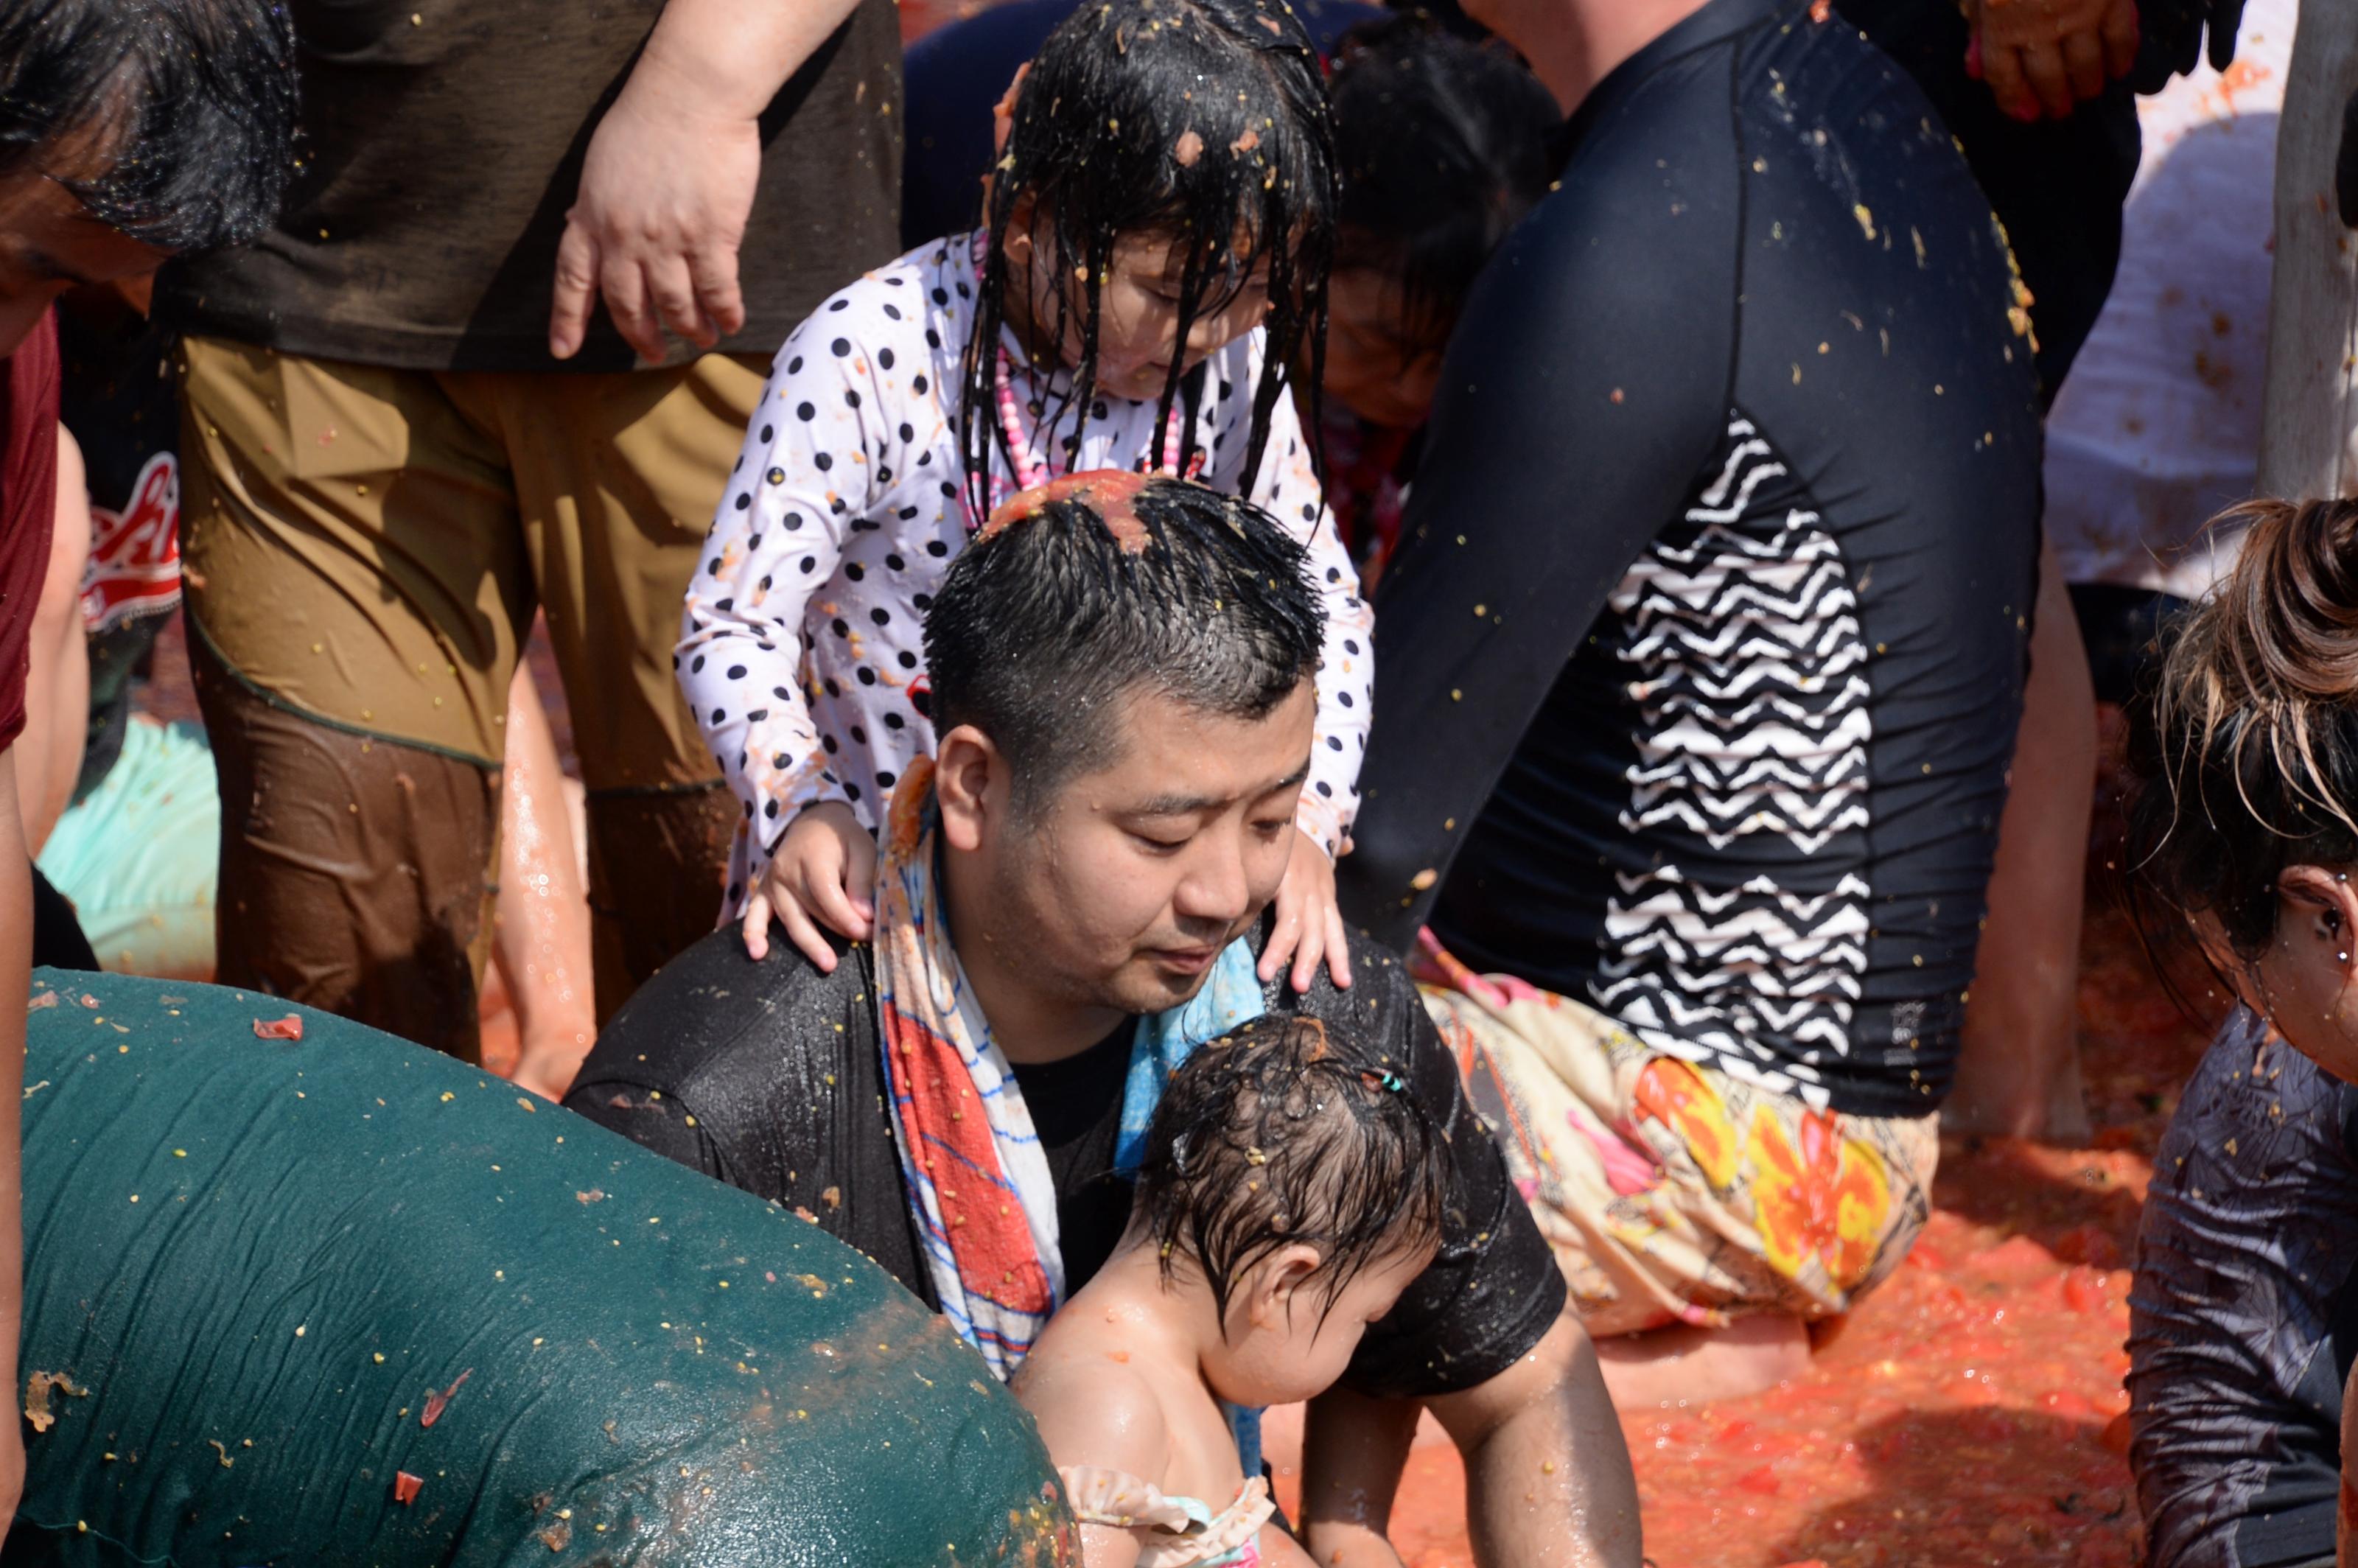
[{"x": 1670, "y": 1192}]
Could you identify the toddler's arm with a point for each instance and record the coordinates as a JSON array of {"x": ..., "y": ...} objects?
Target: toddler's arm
[
  {"x": 1309, "y": 920},
  {"x": 811, "y": 469},
  {"x": 1096, "y": 1413}
]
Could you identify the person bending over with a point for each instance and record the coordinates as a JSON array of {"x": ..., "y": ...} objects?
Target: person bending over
[
  {"x": 1702, "y": 659},
  {"x": 1444, "y": 145},
  {"x": 1072, "y": 893},
  {"x": 2243, "y": 837},
  {"x": 1289, "y": 1190}
]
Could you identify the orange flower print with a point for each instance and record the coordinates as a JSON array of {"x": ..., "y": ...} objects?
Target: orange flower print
[
  {"x": 1675, "y": 1094},
  {"x": 1824, "y": 1203}
]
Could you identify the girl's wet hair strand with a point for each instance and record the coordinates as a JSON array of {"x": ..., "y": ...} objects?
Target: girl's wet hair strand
[{"x": 1205, "y": 120}]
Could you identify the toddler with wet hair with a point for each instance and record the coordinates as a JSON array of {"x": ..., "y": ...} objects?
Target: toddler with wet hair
[{"x": 1292, "y": 1188}]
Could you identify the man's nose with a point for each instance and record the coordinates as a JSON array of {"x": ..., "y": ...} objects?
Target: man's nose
[{"x": 1218, "y": 884}]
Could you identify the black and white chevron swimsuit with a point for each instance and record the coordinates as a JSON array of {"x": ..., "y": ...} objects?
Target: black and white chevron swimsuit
[{"x": 1699, "y": 674}]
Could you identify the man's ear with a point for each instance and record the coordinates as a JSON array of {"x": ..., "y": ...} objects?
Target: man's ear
[
  {"x": 1271, "y": 1288},
  {"x": 2319, "y": 914},
  {"x": 969, "y": 786}
]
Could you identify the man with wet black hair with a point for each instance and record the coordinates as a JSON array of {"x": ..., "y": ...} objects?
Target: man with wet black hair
[
  {"x": 1072, "y": 894},
  {"x": 129, "y": 133}
]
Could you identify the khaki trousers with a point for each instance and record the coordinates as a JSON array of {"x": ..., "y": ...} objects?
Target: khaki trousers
[{"x": 365, "y": 549}]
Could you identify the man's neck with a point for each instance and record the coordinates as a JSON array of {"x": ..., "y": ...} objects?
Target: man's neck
[
  {"x": 1582, "y": 44},
  {"x": 1030, "y": 1025}
]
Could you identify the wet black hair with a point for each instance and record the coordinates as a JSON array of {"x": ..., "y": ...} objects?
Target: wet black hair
[
  {"x": 1286, "y": 1129},
  {"x": 188, "y": 105},
  {"x": 1442, "y": 143},
  {"x": 2247, "y": 762},
  {"x": 1085, "y": 592},
  {"x": 1205, "y": 119}
]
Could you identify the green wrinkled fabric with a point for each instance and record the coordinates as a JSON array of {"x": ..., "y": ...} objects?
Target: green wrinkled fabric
[{"x": 261, "y": 1259}]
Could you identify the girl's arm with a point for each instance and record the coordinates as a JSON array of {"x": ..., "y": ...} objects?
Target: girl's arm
[
  {"x": 1098, "y": 1414},
  {"x": 1287, "y": 488},
  {"x": 814, "y": 450}
]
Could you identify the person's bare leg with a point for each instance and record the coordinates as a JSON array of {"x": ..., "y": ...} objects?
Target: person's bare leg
[
  {"x": 541, "y": 942},
  {"x": 1695, "y": 1366},
  {"x": 2019, "y": 1068},
  {"x": 57, "y": 679}
]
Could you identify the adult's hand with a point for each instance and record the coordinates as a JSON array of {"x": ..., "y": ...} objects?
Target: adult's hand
[
  {"x": 2050, "y": 56},
  {"x": 665, "y": 190},
  {"x": 669, "y": 178}
]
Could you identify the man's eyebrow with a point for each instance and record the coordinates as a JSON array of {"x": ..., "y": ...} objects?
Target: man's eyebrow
[{"x": 1188, "y": 805}]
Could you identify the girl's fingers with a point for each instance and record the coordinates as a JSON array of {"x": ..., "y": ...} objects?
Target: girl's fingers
[
  {"x": 859, "y": 881},
  {"x": 806, "y": 935},
  {"x": 1338, "y": 948},
  {"x": 755, "y": 924},
  {"x": 824, "y": 897},
  {"x": 1312, "y": 949},
  {"x": 1281, "y": 937}
]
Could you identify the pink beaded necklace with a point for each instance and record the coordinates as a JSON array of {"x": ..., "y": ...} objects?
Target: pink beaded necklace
[{"x": 1029, "y": 475}]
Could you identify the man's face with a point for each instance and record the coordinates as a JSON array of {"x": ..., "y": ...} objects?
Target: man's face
[
  {"x": 48, "y": 244},
  {"x": 1122, "y": 889}
]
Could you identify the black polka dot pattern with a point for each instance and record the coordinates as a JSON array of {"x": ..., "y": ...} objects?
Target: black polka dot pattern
[{"x": 803, "y": 656}]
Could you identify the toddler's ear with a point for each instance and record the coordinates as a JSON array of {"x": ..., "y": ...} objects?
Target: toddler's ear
[{"x": 1277, "y": 1281}]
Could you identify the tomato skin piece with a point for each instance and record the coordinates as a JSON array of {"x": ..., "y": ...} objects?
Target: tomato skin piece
[
  {"x": 405, "y": 1487},
  {"x": 287, "y": 1028}
]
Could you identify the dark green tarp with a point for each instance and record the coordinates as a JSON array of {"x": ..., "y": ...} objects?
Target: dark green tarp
[{"x": 261, "y": 1260}]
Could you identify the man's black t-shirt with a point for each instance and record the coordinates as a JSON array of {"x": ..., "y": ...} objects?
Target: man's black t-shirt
[
  {"x": 1702, "y": 653},
  {"x": 768, "y": 1075},
  {"x": 1076, "y": 1107}
]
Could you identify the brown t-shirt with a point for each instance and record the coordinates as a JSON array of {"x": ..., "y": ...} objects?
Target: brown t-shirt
[
  {"x": 443, "y": 144},
  {"x": 28, "y": 506}
]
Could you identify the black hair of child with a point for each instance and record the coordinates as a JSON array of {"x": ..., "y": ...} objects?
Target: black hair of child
[
  {"x": 1204, "y": 120},
  {"x": 1284, "y": 1131},
  {"x": 2248, "y": 761},
  {"x": 1444, "y": 145}
]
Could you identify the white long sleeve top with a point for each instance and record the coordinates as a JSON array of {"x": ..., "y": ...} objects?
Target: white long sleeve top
[{"x": 801, "y": 647}]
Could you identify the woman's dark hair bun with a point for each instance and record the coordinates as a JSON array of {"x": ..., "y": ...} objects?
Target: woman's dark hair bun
[{"x": 2249, "y": 764}]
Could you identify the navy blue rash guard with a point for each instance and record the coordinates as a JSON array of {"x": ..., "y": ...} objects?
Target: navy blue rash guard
[
  {"x": 2244, "y": 1318},
  {"x": 1700, "y": 671}
]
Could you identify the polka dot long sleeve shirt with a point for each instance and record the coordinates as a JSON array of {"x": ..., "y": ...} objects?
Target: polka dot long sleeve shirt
[{"x": 801, "y": 647}]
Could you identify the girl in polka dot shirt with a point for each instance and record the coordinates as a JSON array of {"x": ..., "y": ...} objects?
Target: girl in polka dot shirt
[{"x": 1155, "y": 256}]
